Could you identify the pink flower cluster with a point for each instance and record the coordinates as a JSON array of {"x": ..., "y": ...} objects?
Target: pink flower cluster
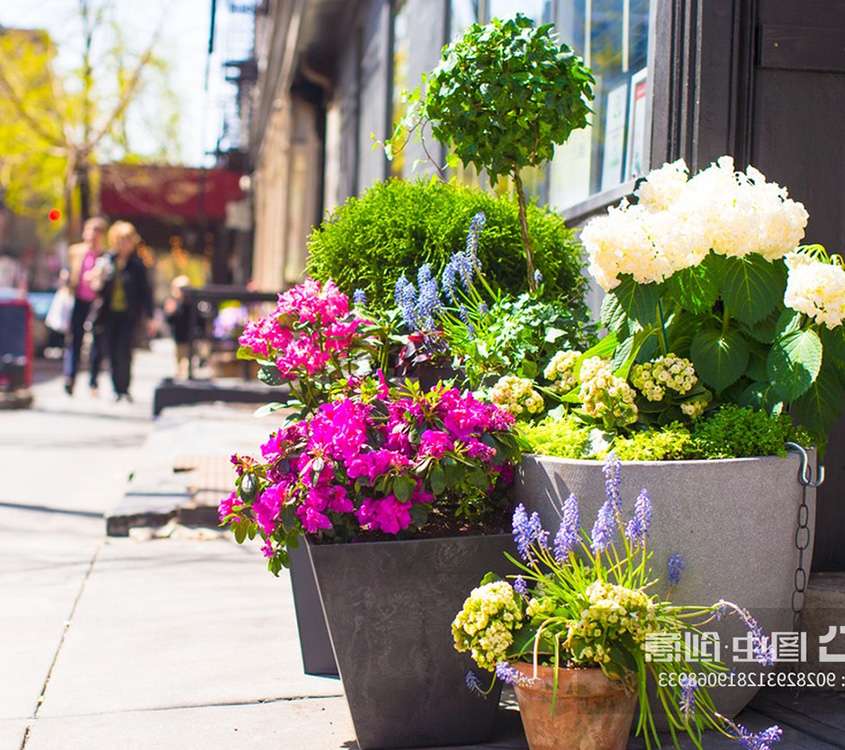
[
  {"x": 310, "y": 326},
  {"x": 365, "y": 465}
]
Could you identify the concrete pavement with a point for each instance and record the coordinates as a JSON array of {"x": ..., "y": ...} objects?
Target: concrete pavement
[{"x": 143, "y": 642}]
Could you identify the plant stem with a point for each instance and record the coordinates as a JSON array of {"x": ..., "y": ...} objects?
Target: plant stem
[
  {"x": 663, "y": 327},
  {"x": 726, "y": 319},
  {"x": 523, "y": 223}
]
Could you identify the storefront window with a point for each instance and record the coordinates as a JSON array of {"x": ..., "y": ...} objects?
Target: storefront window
[
  {"x": 401, "y": 77},
  {"x": 612, "y": 37}
]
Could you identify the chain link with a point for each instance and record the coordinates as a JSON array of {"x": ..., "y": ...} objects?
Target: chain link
[{"x": 802, "y": 531}]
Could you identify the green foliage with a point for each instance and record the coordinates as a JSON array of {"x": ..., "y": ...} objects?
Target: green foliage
[
  {"x": 739, "y": 432},
  {"x": 396, "y": 226},
  {"x": 564, "y": 437},
  {"x": 516, "y": 336},
  {"x": 505, "y": 94},
  {"x": 672, "y": 442}
]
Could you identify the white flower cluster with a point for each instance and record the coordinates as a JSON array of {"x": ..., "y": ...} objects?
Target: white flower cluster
[
  {"x": 653, "y": 378},
  {"x": 603, "y": 395},
  {"x": 485, "y": 623},
  {"x": 816, "y": 289},
  {"x": 612, "y": 612},
  {"x": 517, "y": 396},
  {"x": 561, "y": 371},
  {"x": 677, "y": 222}
]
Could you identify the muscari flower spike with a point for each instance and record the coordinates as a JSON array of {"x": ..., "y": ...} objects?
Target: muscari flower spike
[
  {"x": 520, "y": 586},
  {"x": 359, "y": 298},
  {"x": 508, "y": 674},
  {"x": 603, "y": 528},
  {"x": 612, "y": 470},
  {"x": 676, "y": 567},
  {"x": 689, "y": 687},
  {"x": 637, "y": 529},
  {"x": 568, "y": 535},
  {"x": 473, "y": 683},
  {"x": 756, "y": 740}
]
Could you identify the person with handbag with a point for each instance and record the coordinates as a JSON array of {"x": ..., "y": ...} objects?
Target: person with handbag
[
  {"x": 127, "y": 301},
  {"x": 82, "y": 259}
]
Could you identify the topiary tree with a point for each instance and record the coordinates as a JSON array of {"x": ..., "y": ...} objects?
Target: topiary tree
[
  {"x": 395, "y": 226},
  {"x": 502, "y": 97}
]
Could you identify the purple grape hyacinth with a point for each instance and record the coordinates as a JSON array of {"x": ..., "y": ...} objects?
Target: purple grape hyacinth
[
  {"x": 568, "y": 535},
  {"x": 637, "y": 529}
]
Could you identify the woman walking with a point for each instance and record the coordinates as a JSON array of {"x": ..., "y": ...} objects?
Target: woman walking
[{"x": 127, "y": 300}]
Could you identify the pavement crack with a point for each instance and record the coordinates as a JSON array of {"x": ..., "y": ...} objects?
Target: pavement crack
[{"x": 67, "y": 625}]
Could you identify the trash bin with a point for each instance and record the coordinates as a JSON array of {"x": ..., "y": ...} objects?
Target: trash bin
[{"x": 15, "y": 352}]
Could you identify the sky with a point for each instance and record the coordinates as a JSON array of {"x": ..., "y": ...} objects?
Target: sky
[{"x": 184, "y": 45}]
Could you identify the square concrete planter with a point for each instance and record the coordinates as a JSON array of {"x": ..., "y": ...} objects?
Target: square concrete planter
[
  {"x": 389, "y": 608},
  {"x": 733, "y": 521}
]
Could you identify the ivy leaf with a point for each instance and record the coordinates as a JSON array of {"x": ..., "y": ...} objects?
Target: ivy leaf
[
  {"x": 719, "y": 358},
  {"x": 753, "y": 287},
  {"x": 794, "y": 362},
  {"x": 819, "y": 408}
]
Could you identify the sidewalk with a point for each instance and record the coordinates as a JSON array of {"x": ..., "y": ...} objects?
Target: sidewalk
[{"x": 179, "y": 642}]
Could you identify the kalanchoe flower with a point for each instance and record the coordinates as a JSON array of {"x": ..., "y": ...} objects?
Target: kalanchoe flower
[
  {"x": 508, "y": 674},
  {"x": 637, "y": 528},
  {"x": 359, "y": 298},
  {"x": 568, "y": 535},
  {"x": 676, "y": 567},
  {"x": 474, "y": 684},
  {"x": 520, "y": 586}
]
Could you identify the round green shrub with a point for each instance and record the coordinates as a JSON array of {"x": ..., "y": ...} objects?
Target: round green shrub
[{"x": 396, "y": 226}]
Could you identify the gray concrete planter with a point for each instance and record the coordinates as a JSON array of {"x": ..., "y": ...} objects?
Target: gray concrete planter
[
  {"x": 733, "y": 522},
  {"x": 389, "y": 608},
  {"x": 314, "y": 642}
]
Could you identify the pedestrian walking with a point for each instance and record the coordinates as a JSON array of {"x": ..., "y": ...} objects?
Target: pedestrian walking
[
  {"x": 83, "y": 258},
  {"x": 127, "y": 300},
  {"x": 178, "y": 317}
]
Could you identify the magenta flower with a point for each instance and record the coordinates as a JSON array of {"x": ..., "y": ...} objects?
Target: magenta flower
[{"x": 435, "y": 443}]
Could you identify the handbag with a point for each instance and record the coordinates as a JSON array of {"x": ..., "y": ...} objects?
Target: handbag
[{"x": 61, "y": 308}]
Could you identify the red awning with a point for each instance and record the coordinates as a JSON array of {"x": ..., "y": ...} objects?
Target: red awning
[{"x": 131, "y": 191}]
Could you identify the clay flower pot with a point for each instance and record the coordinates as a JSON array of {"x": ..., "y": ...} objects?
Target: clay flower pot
[{"x": 590, "y": 712}]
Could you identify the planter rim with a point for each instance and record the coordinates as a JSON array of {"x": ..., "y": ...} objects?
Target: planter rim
[
  {"x": 389, "y": 543},
  {"x": 669, "y": 462}
]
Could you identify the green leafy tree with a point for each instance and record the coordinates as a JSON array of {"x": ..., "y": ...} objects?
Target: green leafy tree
[
  {"x": 55, "y": 128},
  {"x": 502, "y": 97}
]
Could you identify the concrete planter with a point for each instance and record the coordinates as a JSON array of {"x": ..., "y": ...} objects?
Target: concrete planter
[
  {"x": 732, "y": 521},
  {"x": 314, "y": 642},
  {"x": 389, "y": 608}
]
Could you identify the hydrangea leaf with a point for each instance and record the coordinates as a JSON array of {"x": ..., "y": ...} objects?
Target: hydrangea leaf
[
  {"x": 794, "y": 363},
  {"x": 833, "y": 342},
  {"x": 698, "y": 287},
  {"x": 720, "y": 358},
  {"x": 765, "y": 330},
  {"x": 638, "y": 301},
  {"x": 819, "y": 408},
  {"x": 753, "y": 287},
  {"x": 613, "y": 317}
]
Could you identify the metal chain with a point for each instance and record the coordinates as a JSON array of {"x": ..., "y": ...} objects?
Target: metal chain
[{"x": 802, "y": 531}]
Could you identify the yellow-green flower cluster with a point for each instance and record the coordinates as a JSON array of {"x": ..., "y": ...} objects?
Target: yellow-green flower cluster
[
  {"x": 605, "y": 396},
  {"x": 561, "y": 371},
  {"x": 517, "y": 396},
  {"x": 653, "y": 378},
  {"x": 485, "y": 623},
  {"x": 694, "y": 409},
  {"x": 611, "y": 612}
]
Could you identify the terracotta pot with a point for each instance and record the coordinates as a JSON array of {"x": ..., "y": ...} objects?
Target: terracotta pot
[{"x": 590, "y": 712}]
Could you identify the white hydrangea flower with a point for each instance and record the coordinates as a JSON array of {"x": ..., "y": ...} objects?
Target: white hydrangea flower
[{"x": 816, "y": 289}]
